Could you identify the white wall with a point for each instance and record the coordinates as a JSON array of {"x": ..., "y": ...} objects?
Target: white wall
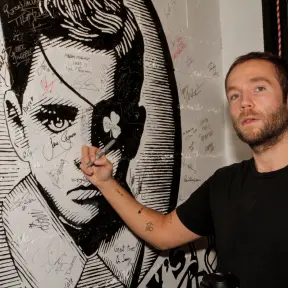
[{"x": 242, "y": 32}]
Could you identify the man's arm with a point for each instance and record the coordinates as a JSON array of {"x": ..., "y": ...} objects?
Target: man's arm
[{"x": 161, "y": 231}]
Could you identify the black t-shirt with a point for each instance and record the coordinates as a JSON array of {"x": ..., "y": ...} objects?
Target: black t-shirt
[{"x": 247, "y": 211}]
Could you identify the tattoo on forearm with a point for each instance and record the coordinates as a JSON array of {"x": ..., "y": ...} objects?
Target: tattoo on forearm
[
  {"x": 118, "y": 191},
  {"x": 149, "y": 227},
  {"x": 170, "y": 220}
]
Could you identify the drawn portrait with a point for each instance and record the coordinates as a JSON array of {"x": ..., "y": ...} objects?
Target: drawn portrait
[{"x": 73, "y": 73}]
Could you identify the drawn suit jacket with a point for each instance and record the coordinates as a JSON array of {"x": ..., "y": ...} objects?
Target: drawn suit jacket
[{"x": 40, "y": 256}]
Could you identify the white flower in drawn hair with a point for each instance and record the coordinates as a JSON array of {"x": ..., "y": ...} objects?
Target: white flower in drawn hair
[{"x": 111, "y": 124}]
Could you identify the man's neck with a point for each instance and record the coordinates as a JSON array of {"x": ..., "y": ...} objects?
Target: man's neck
[{"x": 273, "y": 158}]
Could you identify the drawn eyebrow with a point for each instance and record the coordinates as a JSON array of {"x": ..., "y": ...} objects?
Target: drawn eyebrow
[{"x": 56, "y": 110}]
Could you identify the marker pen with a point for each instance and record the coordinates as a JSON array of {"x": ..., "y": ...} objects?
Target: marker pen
[{"x": 102, "y": 151}]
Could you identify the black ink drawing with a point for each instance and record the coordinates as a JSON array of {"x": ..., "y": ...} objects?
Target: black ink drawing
[
  {"x": 184, "y": 268},
  {"x": 82, "y": 72}
]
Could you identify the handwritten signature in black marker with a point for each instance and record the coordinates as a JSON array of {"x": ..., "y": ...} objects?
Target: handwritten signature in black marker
[
  {"x": 65, "y": 143},
  {"x": 191, "y": 93},
  {"x": 23, "y": 201},
  {"x": 55, "y": 174},
  {"x": 85, "y": 82},
  {"x": 41, "y": 220},
  {"x": 57, "y": 263}
]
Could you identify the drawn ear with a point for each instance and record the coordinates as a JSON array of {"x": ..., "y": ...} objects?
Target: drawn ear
[{"x": 15, "y": 125}]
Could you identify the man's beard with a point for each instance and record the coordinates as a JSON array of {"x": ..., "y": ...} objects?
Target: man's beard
[{"x": 273, "y": 130}]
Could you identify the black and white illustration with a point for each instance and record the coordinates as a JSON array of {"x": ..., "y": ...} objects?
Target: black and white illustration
[{"x": 79, "y": 73}]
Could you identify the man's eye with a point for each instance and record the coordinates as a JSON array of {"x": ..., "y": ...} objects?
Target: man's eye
[
  {"x": 58, "y": 125},
  {"x": 234, "y": 96},
  {"x": 260, "y": 89}
]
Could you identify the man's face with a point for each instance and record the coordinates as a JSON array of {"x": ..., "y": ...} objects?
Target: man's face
[
  {"x": 57, "y": 123},
  {"x": 256, "y": 105}
]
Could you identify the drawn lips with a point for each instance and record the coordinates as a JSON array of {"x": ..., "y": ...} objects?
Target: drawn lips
[{"x": 83, "y": 194}]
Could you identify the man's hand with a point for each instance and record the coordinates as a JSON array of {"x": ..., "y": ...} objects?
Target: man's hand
[
  {"x": 161, "y": 231},
  {"x": 102, "y": 169}
]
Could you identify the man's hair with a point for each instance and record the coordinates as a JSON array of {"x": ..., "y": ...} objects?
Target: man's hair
[{"x": 280, "y": 65}]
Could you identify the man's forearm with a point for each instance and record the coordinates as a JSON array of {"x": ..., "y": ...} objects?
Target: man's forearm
[{"x": 143, "y": 221}]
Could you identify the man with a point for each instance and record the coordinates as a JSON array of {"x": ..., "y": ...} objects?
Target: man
[
  {"x": 244, "y": 205},
  {"x": 72, "y": 68}
]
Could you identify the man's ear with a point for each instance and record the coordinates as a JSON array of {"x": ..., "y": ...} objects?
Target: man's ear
[{"x": 15, "y": 125}]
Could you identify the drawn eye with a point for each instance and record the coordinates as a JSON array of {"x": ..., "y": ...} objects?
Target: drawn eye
[
  {"x": 58, "y": 125},
  {"x": 57, "y": 118}
]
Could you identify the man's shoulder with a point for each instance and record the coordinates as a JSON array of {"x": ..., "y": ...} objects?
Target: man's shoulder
[{"x": 232, "y": 170}]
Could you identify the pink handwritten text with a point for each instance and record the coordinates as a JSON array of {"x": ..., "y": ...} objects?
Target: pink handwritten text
[
  {"x": 47, "y": 87},
  {"x": 180, "y": 46}
]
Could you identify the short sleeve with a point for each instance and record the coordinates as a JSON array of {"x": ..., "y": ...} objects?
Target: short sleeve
[{"x": 195, "y": 212}]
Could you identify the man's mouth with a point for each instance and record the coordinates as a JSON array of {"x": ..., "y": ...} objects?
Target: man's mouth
[
  {"x": 83, "y": 195},
  {"x": 248, "y": 121}
]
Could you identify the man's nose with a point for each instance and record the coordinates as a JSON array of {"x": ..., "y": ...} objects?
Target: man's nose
[{"x": 247, "y": 100}]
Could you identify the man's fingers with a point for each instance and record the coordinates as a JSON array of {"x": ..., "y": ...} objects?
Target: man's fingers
[
  {"x": 102, "y": 161},
  {"x": 92, "y": 153},
  {"x": 89, "y": 160},
  {"x": 86, "y": 169},
  {"x": 85, "y": 155},
  {"x": 86, "y": 161}
]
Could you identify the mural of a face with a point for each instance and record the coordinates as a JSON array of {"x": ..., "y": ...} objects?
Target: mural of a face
[
  {"x": 83, "y": 81},
  {"x": 61, "y": 122}
]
